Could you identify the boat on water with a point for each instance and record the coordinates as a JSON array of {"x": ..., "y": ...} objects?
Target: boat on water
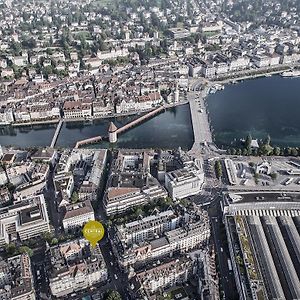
[
  {"x": 291, "y": 74},
  {"x": 216, "y": 87},
  {"x": 219, "y": 87}
]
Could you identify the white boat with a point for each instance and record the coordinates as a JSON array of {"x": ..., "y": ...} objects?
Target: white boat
[
  {"x": 219, "y": 87},
  {"x": 291, "y": 74}
]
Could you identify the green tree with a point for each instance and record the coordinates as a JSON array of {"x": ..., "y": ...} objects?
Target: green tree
[
  {"x": 265, "y": 149},
  {"x": 218, "y": 169},
  {"x": 276, "y": 151},
  {"x": 16, "y": 48},
  {"x": 254, "y": 151},
  {"x": 256, "y": 176},
  {"x": 138, "y": 212},
  {"x": 17, "y": 71},
  {"x": 54, "y": 241},
  {"x": 168, "y": 201},
  {"x": 10, "y": 249},
  {"x": 29, "y": 43},
  {"x": 288, "y": 151},
  {"x": 185, "y": 202},
  {"x": 273, "y": 175},
  {"x": 294, "y": 152},
  {"x": 245, "y": 151},
  {"x": 248, "y": 141},
  {"x": 113, "y": 295},
  {"x": 26, "y": 249},
  {"x": 268, "y": 140},
  {"x": 10, "y": 186},
  {"x": 48, "y": 236},
  {"x": 49, "y": 51},
  {"x": 109, "y": 223},
  {"x": 74, "y": 197},
  {"x": 233, "y": 151},
  {"x": 239, "y": 151}
]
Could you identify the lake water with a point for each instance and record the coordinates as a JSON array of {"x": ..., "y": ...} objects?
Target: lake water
[{"x": 269, "y": 105}]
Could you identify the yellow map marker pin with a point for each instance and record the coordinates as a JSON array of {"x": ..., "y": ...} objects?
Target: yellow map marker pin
[{"x": 93, "y": 231}]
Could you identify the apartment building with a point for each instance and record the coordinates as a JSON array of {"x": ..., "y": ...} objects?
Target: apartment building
[
  {"x": 130, "y": 182},
  {"x": 147, "y": 228},
  {"x": 77, "y": 109},
  {"x": 180, "y": 234},
  {"x": 163, "y": 276},
  {"x": 24, "y": 220},
  {"x": 239, "y": 63},
  {"x": 77, "y": 214},
  {"x": 44, "y": 112},
  {"x": 120, "y": 199},
  {"x": 16, "y": 280},
  {"x": 75, "y": 265},
  {"x": 261, "y": 61}
]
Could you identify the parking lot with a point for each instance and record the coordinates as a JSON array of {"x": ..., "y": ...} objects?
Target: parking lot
[{"x": 266, "y": 173}]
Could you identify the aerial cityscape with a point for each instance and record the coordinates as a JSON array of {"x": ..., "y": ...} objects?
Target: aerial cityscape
[{"x": 171, "y": 124}]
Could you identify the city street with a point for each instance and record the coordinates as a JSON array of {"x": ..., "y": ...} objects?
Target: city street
[
  {"x": 227, "y": 281},
  {"x": 52, "y": 205}
]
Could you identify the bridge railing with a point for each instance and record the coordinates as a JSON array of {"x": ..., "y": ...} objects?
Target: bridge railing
[{"x": 140, "y": 119}]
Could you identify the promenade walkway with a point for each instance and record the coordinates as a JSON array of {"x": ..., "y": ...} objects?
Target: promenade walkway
[{"x": 255, "y": 73}]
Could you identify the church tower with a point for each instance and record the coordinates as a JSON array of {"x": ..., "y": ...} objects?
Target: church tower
[{"x": 112, "y": 133}]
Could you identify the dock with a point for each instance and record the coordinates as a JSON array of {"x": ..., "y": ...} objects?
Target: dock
[{"x": 56, "y": 133}]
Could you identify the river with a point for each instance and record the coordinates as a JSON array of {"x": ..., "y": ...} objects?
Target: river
[{"x": 168, "y": 130}]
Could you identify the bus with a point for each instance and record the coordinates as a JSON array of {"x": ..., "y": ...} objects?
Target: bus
[{"x": 229, "y": 264}]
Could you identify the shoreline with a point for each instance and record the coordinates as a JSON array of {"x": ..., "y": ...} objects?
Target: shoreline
[
  {"x": 26, "y": 124},
  {"x": 253, "y": 74}
]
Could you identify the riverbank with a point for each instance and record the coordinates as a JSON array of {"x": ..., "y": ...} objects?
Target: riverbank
[
  {"x": 55, "y": 121},
  {"x": 127, "y": 114},
  {"x": 42, "y": 122}
]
